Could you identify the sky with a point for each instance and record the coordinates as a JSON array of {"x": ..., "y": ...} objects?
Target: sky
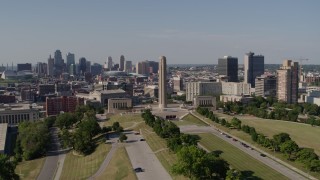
[{"x": 185, "y": 31}]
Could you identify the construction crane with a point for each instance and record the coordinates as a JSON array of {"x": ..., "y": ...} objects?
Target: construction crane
[{"x": 301, "y": 62}]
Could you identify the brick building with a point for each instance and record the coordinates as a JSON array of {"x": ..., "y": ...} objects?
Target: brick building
[{"x": 55, "y": 105}]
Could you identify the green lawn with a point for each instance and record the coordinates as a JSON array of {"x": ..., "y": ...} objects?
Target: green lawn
[
  {"x": 305, "y": 135},
  {"x": 189, "y": 120},
  {"x": 238, "y": 159},
  {"x": 125, "y": 120},
  {"x": 119, "y": 167},
  {"x": 247, "y": 138},
  {"x": 30, "y": 169},
  {"x": 82, "y": 167}
]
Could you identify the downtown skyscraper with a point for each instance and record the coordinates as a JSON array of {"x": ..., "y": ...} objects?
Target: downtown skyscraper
[
  {"x": 228, "y": 66},
  {"x": 253, "y": 67}
]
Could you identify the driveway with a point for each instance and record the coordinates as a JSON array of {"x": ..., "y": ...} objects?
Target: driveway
[{"x": 142, "y": 156}]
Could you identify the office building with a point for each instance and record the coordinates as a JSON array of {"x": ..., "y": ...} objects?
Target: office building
[
  {"x": 128, "y": 66},
  {"x": 41, "y": 69},
  {"x": 153, "y": 67},
  {"x": 253, "y": 67},
  {"x": 58, "y": 63},
  {"x": 88, "y": 66},
  {"x": 151, "y": 91},
  {"x": 96, "y": 69},
  {"x": 121, "y": 68},
  {"x": 234, "y": 88},
  {"x": 142, "y": 68},
  {"x": 50, "y": 66},
  {"x": 18, "y": 113},
  {"x": 266, "y": 85},
  {"x": 202, "y": 89},
  {"x": 109, "y": 62},
  {"x": 287, "y": 82},
  {"x": 205, "y": 101},
  {"x": 162, "y": 82},
  {"x": 228, "y": 66},
  {"x": 24, "y": 67},
  {"x": 82, "y": 65},
  {"x": 45, "y": 89},
  {"x": 7, "y": 99},
  {"x": 70, "y": 59}
]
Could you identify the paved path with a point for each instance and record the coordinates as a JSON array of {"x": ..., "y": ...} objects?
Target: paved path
[
  {"x": 113, "y": 140},
  {"x": 141, "y": 155},
  {"x": 52, "y": 167},
  {"x": 255, "y": 154}
]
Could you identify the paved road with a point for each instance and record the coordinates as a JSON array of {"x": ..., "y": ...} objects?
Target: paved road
[
  {"x": 113, "y": 138},
  {"x": 255, "y": 154},
  {"x": 53, "y": 161},
  {"x": 141, "y": 155}
]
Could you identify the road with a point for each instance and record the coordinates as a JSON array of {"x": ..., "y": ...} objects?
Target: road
[
  {"x": 54, "y": 160},
  {"x": 255, "y": 154},
  {"x": 113, "y": 138},
  {"x": 142, "y": 156}
]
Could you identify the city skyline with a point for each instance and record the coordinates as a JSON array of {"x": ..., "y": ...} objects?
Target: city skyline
[{"x": 185, "y": 32}]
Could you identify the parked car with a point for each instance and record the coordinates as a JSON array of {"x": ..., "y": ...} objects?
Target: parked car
[{"x": 138, "y": 169}]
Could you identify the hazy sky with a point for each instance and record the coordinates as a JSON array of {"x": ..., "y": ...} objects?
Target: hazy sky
[{"x": 191, "y": 32}]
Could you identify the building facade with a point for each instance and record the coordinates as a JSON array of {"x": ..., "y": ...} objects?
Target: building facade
[
  {"x": 205, "y": 101},
  {"x": 24, "y": 67},
  {"x": 177, "y": 84},
  {"x": 266, "y": 86},
  {"x": 233, "y": 88},
  {"x": 228, "y": 66},
  {"x": 287, "y": 82},
  {"x": 253, "y": 67},
  {"x": 202, "y": 89},
  {"x": 128, "y": 66},
  {"x": 56, "y": 105},
  {"x": 119, "y": 104}
]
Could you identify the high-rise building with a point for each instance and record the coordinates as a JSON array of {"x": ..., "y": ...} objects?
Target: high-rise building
[
  {"x": 82, "y": 65},
  {"x": 142, "y": 67},
  {"x": 121, "y": 68},
  {"x": 153, "y": 66},
  {"x": 177, "y": 84},
  {"x": 109, "y": 63},
  {"x": 56, "y": 105},
  {"x": 128, "y": 66},
  {"x": 70, "y": 59},
  {"x": 41, "y": 69},
  {"x": 24, "y": 67},
  {"x": 72, "y": 69},
  {"x": 58, "y": 63},
  {"x": 287, "y": 82},
  {"x": 162, "y": 82},
  {"x": 266, "y": 85},
  {"x": 96, "y": 69},
  {"x": 228, "y": 66},
  {"x": 50, "y": 66},
  {"x": 88, "y": 66},
  {"x": 253, "y": 67}
]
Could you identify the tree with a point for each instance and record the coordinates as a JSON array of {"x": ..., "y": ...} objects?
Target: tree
[
  {"x": 82, "y": 142},
  {"x": 234, "y": 174},
  {"x": 7, "y": 168},
  {"x": 289, "y": 147},
  {"x": 279, "y": 139},
  {"x": 195, "y": 163},
  {"x": 236, "y": 123},
  {"x": 306, "y": 155},
  {"x": 65, "y": 120},
  {"x": 122, "y": 137},
  {"x": 314, "y": 165}
]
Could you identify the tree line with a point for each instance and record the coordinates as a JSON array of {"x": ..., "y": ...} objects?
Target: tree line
[
  {"x": 270, "y": 108},
  {"x": 281, "y": 142},
  {"x": 193, "y": 162}
]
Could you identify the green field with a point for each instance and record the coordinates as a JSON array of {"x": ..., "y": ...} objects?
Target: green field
[
  {"x": 119, "y": 167},
  {"x": 30, "y": 169},
  {"x": 189, "y": 120},
  {"x": 247, "y": 138},
  {"x": 238, "y": 159},
  {"x": 82, "y": 167},
  {"x": 125, "y": 120},
  {"x": 305, "y": 135}
]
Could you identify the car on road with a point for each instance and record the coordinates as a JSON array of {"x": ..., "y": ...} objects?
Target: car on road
[
  {"x": 138, "y": 169},
  {"x": 263, "y": 155},
  {"x": 136, "y": 133},
  {"x": 142, "y": 140},
  {"x": 228, "y": 136},
  {"x": 233, "y": 139}
]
